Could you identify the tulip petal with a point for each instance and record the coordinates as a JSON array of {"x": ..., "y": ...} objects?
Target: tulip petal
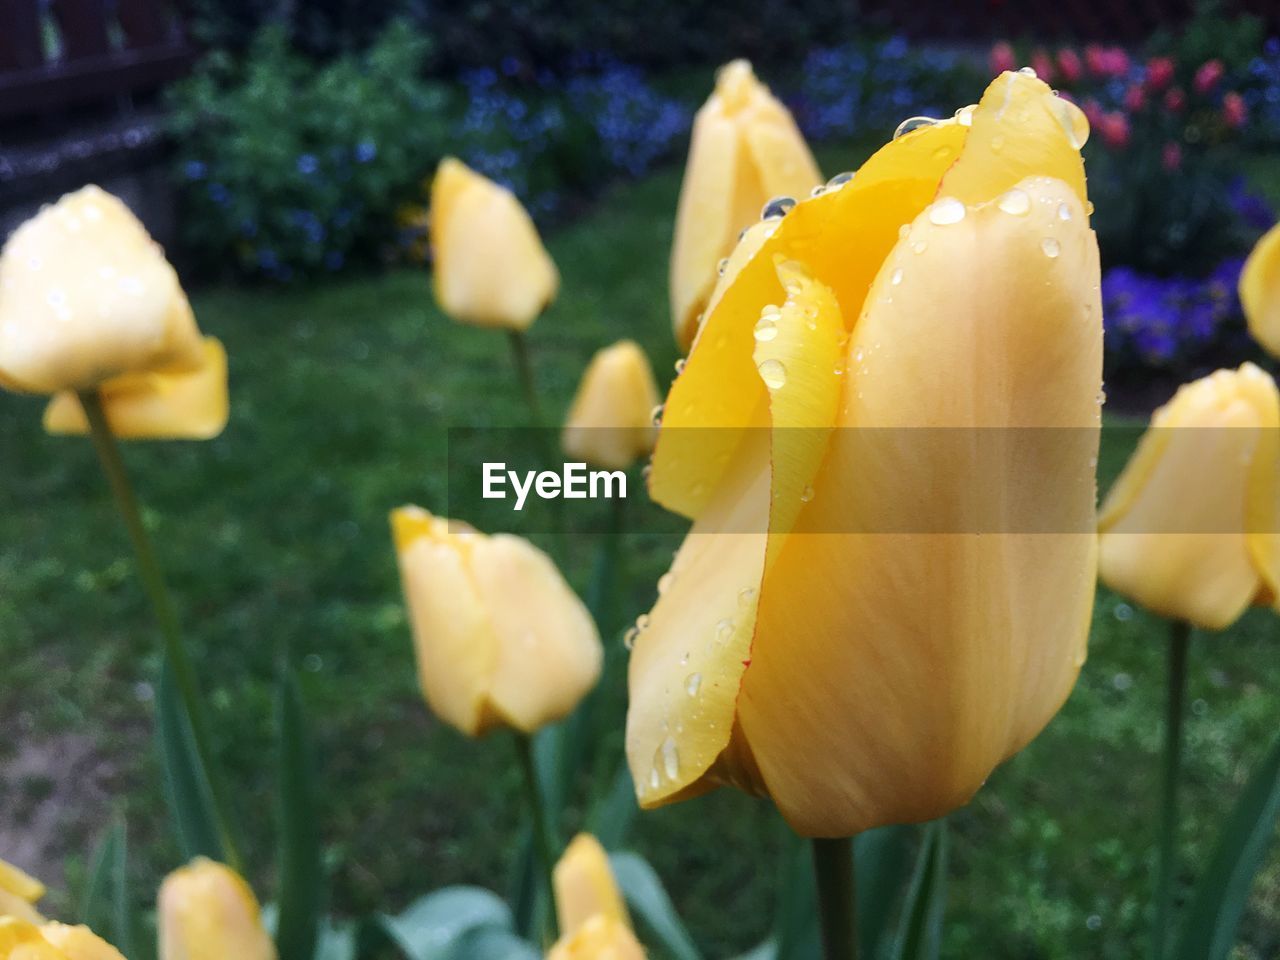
[
  {"x": 1020, "y": 128},
  {"x": 1216, "y": 439},
  {"x": 600, "y": 938},
  {"x": 922, "y": 659},
  {"x": 585, "y": 886},
  {"x": 79, "y": 942},
  {"x": 610, "y": 422},
  {"x": 1260, "y": 291},
  {"x": 186, "y": 405},
  {"x": 842, "y": 236}
]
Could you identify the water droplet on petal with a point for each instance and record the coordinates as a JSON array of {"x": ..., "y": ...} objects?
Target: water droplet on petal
[
  {"x": 777, "y": 208},
  {"x": 722, "y": 266},
  {"x": 629, "y": 638},
  {"x": 1016, "y": 202},
  {"x": 656, "y": 415},
  {"x": 773, "y": 373},
  {"x": 670, "y": 759},
  {"x": 806, "y": 494},
  {"x": 665, "y": 581},
  {"x": 895, "y": 278},
  {"x": 724, "y": 629},
  {"x": 946, "y": 211},
  {"x": 913, "y": 123},
  {"x": 680, "y": 366},
  {"x": 654, "y": 779},
  {"x": 745, "y": 596},
  {"x": 1028, "y": 71},
  {"x": 839, "y": 180},
  {"x": 818, "y": 191},
  {"x": 766, "y": 329},
  {"x": 1051, "y": 247},
  {"x": 692, "y": 684},
  {"x": 1064, "y": 212}
]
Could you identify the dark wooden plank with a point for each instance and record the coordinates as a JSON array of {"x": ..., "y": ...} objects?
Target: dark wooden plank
[
  {"x": 20, "y": 47},
  {"x": 143, "y": 22},
  {"x": 87, "y": 80},
  {"x": 83, "y": 26}
]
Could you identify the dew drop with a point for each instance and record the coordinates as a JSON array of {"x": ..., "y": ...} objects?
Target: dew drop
[
  {"x": 745, "y": 596},
  {"x": 629, "y": 638},
  {"x": 1016, "y": 202},
  {"x": 839, "y": 180},
  {"x": 670, "y": 759},
  {"x": 1051, "y": 247},
  {"x": 766, "y": 329},
  {"x": 806, "y": 494},
  {"x": 656, "y": 415},
  {"x": 1064, "y": 212},
  {"x": 964, "y": 116},
  {"x": 692, "y": 684},
  {"x": 946, "y": 211},
  {"x": 680, "y": 366},
  {"x": 724, "y": 629},
  {"x": 642, "y": 622},
  {"x": 654, "y": 779},
  {"x": 773, "y": 373},
  {"x": 722, "y": 266},
  {"x": 1028, "y": 71},
  {"x": 895, "y": 278},
  {"x": 818, "y": 191},
  {"x": 777, "y": 208},
  {"x": 912, "y": 123},
  {"x": 664, "y": 582},
  {"x": 919, "y": 246}
]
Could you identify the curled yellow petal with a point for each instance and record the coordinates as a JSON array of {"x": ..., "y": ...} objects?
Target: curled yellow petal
[
  {"x": 1188, "y": 529},
  {"x": 585, "y": 887},
  {"x": 85, "y": 296},
  {"x": 490, "y": 267},
  {"x": 186, "y": 405},
  {"x": 205, "y": 911},
  {"x": 610, "y": 422},
  {"x": 1260, "y": 291},
  {"x": 501, "y": 638},
  {"x": 19, "y": 892},
  {"x": 744, "y": 151},
  {"x": 79, "y": 942}
]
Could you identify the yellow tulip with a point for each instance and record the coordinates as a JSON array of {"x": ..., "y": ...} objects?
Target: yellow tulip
[
  {"x": 501, "y": 638},
  {"x": 593, "y": 919},
  {"x": 490, "y": 267},
  {"x": 157, "y": 406},
  {"x": 85, "y": 296},
  {"x": 19, "y": 894},
  {"x": 745, "y": 150},
  {"x": 610, "y": 422},
  {"x": 205, "y": 911},
  {"x": 78, "y": 942},
  {"x": 23, "y": 940},
  {"x": 1189, "y": 528},
  {"x": 1260, "y": 291},
  {"x": 863, "y": 628}
]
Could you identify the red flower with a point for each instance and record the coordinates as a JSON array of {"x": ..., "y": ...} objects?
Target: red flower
[
  {"x": 1114, "y": 128},
  {"x": 1135, "y": 98},
  {"x": 1175, "y": 99},
  {"x": 1002, "y": 57},
  {"x": 1117, "y": 62},
  {"x": 1234, "y": 112},
  {"x": 1171, "y": 156},
  {"x": 1042, "y": 64},
  {"x": 1208, "y": 75},
  {"x": 1159, "y": 73},
  {"x": 1070, "y": 65}
]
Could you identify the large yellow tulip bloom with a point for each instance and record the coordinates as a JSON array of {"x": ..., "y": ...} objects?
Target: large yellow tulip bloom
[
  {"x": 501, "y": 638},
  {"x": 865, "y": 619},
  {"x": 610, "y": 422},
  {"x": 205, "y": 911},
  {"x": 1189, "y": 528},
  {"x": 1260, "y": 291},
  {"x": 490, "y": 267},
  {"x": 745, "y": 151},
  {"x": 22, "y": 940},
  {"x": 593, "y": 919},
  {"x": 19, "y": 894}
]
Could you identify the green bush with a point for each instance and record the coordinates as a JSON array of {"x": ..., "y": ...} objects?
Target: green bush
[{"x": 288, "y": 166}]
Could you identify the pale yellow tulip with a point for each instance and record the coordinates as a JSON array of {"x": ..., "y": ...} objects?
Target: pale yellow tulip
[
  {"x": 593, "y": 919},
  {"x": 23, "y": 940},
  {"x": 1260, "y": 291},
  {"x": 205, "y": 911},
  {"x": 610, "y": 423}
]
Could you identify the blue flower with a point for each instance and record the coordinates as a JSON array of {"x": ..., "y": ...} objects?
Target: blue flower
[
  {"x": 366, "y": 150},
  {"x": 195, "y": 170},
  {"x": 308, "y": 164},
  {"x": 219, "y": 194}
]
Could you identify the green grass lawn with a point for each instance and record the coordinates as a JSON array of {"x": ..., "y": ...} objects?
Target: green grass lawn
[{"x": 276, "y": 533}]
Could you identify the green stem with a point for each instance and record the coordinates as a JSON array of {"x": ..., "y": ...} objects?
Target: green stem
[
  {"x": 1179, "y": 635},
  {"x": 833, "y": 867},
  {"x": 524, "y": 370},
  {"x": 179, "y": 659},
  {"x": 543, "y": 832}
]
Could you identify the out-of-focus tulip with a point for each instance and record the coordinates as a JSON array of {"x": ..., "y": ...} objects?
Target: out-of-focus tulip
[
  {"x": 610, "y": 422},
  {"x": 191, "y": 405},
  {"x": 1002, "y": 57},
  {"x": 745, "y": 150},
  {"x": 1175, "y": 100},
  {"x": 1070, "y": 64},
  {"x": 1207, "y": 76},
  {"x": 1171, "y": 156},
  {"x": 490, "y": 267},
  {"x": 501, "y": 639},
  {"x": 1135, "y": 98},
  {"x": 1159, "y": 73},
  {"x": 1234, "y": 112},
  {"x": 1260, "y": 291},
  {"x": 23, "y": 940},
  {"x": 19, "y": 894},
  {"x": 205, "y": 911},
  {"x": 1188, "y": 529},
  {"x": 1114, "y": 128},
  {"x": 86, "y": 296},
  {"x": 1095, "y": 59},
  {"x": 827, "y": 632},
  {"x": 593, "y": 919}
]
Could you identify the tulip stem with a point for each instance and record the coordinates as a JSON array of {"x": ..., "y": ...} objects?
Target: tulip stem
[
  {"x": 1179, "y": 635},
  {"x": 543, "y": 832},
  {"x": 176, "y": 653},
  {"x": 833, "y": 867},
  {"x": 524, "y": 369}
]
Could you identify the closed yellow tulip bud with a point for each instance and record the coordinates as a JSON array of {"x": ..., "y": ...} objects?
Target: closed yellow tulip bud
[
  {"x": 490, "y": 267},
  {"x": 1189, "y": 530},
  {"x": 19, "y": 894},
  {"x": 22, "y": 940},
  {"x": 610, "y": 422},
  {"x": 745, "y": 150},
  {"x": 1260, "y": 291},
  {"x": 205, "y": 911},
  {"x": 863, "y": 621},
  {"x": 593, "y": 919},
  {"x": 501, "y": 638}
]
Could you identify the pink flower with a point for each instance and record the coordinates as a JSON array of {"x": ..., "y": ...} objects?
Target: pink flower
[
  {"x": 1002, "y": 57},
  {"x": 1117, "y": 62},
  {"x": 1070, "y": 65},
  {"x": 1175, "y": 99},
  {"x": 1042, "y": 64},
  {"x": 1092, "y": 112},
  {"x": 1208, "y": 75},
  {"x": 1171, "y": 156},
  {"x": 1114, "y": 128},
  {"x": 1159, "y": 73},
  {"x": 1234, "y": 112},
  {"x": 1135, "y": 98},
  {"x": 1095, "y": 59}
]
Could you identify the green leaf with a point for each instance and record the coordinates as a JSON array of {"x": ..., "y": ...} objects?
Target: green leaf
[
  {"x": 611, "y": 818},
  {"x": 299, "y": 863},
  {"x": 432, "y": 925},
  {"x": 337, "y": 942},
  {"x": 492, "y": 943},
  {"x": 186, "y": 784},
  {"x": 106, "y": 905},
  {"x": 1223, "y": 891},
  {"x": 920, "y": 930},
  {"x": 645, "y": 893},
  {"x": 768, "y": 950},
  {"x": 795, "y": 924},
  {"x": 880, "y": 858}
]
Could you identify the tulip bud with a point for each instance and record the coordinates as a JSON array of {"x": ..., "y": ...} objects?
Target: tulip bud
[
  {"x": 19, "y": 894},
  {"x": 598, "y": 939},
  {"x": 490, "y": 266},
  {"x": 745, "y": 150},
  {"x": 501, "y": 638},
  {"x": 1260, "y": 291},
  {"x": 845, "y": 671},
  {"x": 205, "y": 911},
  {"x": 1188, "y": 529},
  {"x": 593, "y": 919},
  {"x": 85, "y": 296},
  {"x": 610, "y": 422}
]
